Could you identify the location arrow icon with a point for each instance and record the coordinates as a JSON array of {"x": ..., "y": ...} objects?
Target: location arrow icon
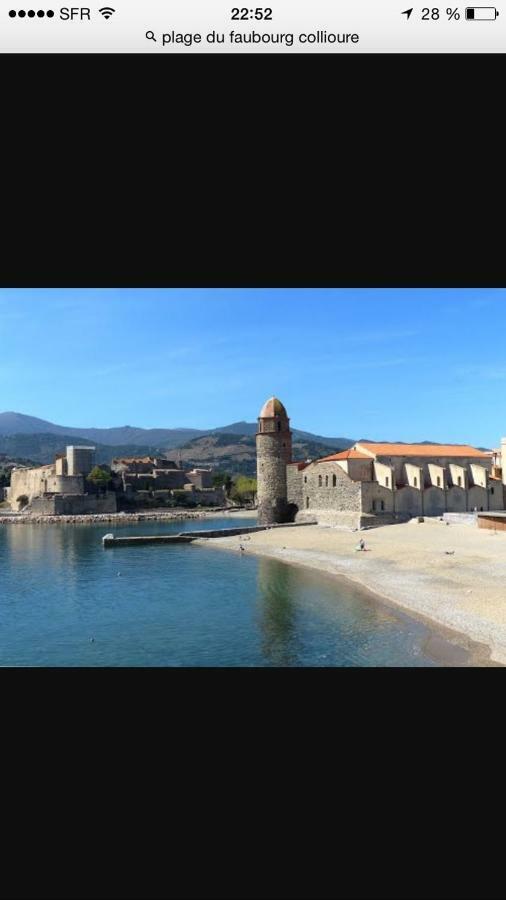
[{"x": 407, "y": 12}]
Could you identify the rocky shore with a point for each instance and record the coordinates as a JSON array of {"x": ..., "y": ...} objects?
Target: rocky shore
[{"x": 122, "y": 518}]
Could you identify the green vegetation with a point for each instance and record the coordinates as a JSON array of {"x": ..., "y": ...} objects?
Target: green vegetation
[
  {"x": 218, "y": 440},
  {"x": 240, "y": 488},
  {"x": 99, "y": 477},
  {"x": 223, "y": 479},
  {"x": 184, "y": 498},
  {"x": 244, "y": 489}
]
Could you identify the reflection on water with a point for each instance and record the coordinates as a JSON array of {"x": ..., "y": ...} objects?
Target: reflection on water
[
  {"x": 65, "y": 601},
  {"x": 277, "y": 587},
  {"x": 305, "y": 614}
]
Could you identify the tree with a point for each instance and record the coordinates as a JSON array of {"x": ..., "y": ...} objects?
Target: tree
[
  {"x": 244, "y": 489},
  {"x": 222, "y": 479},
  {"x": 99, "y": 477}
]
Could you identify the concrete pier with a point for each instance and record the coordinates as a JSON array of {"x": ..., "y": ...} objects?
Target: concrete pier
[{"x": 187, "y": 537}]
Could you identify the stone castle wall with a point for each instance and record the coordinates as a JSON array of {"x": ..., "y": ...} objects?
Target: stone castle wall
[
  {"x": 73, "y": 504},
  {"x": 30, "y": 483},
  {"x": 80, "y": 460},
  {"x": 162, "y": 479},
  {"x": 152, "y": 499},
  {"x": 27, "y": 482},
  {"x": 201, "y": 478}
]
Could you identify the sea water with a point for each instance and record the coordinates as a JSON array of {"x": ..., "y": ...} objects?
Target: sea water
[{"x": 65, "y": 601}]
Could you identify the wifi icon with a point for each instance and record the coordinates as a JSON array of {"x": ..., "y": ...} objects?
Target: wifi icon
[{"x": 107, "y": 11}]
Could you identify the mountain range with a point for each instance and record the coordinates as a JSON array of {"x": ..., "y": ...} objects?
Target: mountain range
[
  {"x": 12, "y": 423},
  {"x": 230, "y": 448}
]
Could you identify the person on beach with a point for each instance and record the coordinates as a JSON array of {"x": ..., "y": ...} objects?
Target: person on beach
[{"x": 360, "y": 545}]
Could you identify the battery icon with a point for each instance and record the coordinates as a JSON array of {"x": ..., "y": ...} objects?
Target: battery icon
[{"x": 481, "y": 13}]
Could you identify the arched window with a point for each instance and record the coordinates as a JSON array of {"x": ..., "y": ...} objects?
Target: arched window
[
  {"x": 305, "y": 479},
  {"x": 307, "y": 502},
  {"x": 459, "y": 481},
  {"x": 415, "y": 481},
  {"x": 279, "y": 426},
  {"x": 438, "y": 481},
  {"x": 334, "y": 480},
  {"x": 326, "y": 480},
  {"x": 382, "y": 506},
  {"x": 386, "y": 481},
  {"x": 319, "y": 480}
]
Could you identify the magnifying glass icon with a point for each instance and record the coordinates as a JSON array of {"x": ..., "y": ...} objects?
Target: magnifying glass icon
[{"x": 150, "y": 35}]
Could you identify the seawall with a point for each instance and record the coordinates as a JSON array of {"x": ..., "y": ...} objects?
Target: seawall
[
  {"x": 188, "y": 536},
  {"x": 121, "y": 518}
]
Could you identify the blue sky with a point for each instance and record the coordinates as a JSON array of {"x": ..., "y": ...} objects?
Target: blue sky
[{"x": 384, "y": 364}]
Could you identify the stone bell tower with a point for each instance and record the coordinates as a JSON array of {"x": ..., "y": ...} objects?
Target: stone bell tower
[{"x": 274, "y": 452}]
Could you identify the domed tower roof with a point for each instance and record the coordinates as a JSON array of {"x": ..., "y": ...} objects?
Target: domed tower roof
[{"x": 272, "y": 407}]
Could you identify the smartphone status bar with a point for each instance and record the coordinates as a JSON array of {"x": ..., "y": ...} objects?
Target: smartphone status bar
[{"x": 284, "y": 26}]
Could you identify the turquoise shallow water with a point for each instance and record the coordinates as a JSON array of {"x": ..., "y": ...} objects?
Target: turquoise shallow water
[{"x": 186, "y": 605}]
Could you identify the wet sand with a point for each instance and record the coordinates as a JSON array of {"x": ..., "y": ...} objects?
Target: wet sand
[{"x": 463, "y": 591}]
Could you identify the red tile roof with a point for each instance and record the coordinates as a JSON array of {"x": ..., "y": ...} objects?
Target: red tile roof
[
  {"x": 423, "y": 450},
  {"x": 345, "y": 454}
]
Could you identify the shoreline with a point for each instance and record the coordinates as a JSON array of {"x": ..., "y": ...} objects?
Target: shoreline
[
  {"x": 421, "y": 580},
  {"x": 127, "y": 518}
]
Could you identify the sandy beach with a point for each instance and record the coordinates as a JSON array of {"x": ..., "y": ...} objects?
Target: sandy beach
[{"x": 463, "y": 590}]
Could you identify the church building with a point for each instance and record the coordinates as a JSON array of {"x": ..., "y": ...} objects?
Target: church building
[{"x": 370, "y": 483}]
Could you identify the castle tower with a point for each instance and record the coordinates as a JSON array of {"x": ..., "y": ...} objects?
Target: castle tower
[{"x": 274, "y": 452}]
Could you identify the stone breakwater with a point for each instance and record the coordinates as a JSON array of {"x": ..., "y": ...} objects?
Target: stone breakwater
[{"x": 117, "y": 518}]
